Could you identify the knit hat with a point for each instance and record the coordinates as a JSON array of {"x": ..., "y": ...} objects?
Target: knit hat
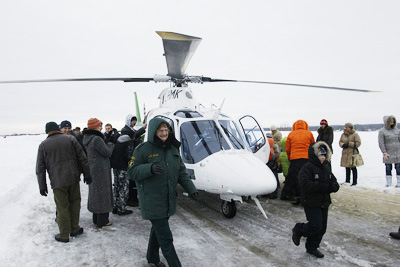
[
  {"x": 322, "y": 150},
  {"x": 273, "y": 127},
  {"x": 65, "y": 124},
  {"x": 93, "y": 123},
  {"x": 134, "y": 118},
  {"x": 51, "y": 126},
  {"x": 349, "y": 124},
  {"x": 323, "y": 122}
]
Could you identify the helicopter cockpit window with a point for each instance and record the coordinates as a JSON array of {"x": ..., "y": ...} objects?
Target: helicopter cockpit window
[
  {"x": 200, "y": 139},
  {"x": 233, "y": 133},
  {"x": 253, "y": 133},
  {"x": 170, "y": 122},
  {"x": 187, "y": 113}
]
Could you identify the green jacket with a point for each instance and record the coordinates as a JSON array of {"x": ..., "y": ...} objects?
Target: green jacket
[
  {"x": 283, "y": 158},
  {"x": 158, "y": 192}
]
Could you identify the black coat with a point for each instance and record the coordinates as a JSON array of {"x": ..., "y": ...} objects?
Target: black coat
[
  {"x": 317, "y": 180},
  {"x": 134, "y": 134},
  {"x": 326, "y": 135},
  {"x": 111, "y": 136},
  {"x": 122, "y": 153}
]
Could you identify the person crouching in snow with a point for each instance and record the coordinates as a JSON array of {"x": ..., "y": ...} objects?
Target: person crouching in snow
[{"x": 316, "y": 182}]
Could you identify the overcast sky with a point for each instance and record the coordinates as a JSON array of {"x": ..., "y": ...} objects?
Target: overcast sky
[{"x": 338, "y": 43}]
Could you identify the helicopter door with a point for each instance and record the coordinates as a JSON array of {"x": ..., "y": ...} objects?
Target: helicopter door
[{"x": 255, "y": 137}]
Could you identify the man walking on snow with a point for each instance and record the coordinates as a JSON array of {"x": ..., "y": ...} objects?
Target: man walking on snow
[{"x": 64, "y": 160}]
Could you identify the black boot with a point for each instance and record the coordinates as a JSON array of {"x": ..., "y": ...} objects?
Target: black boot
[
  {"x": 296, "y": 234},
  {"x": 316, "y": 253},
  {"x": 347, "y": 175},
  {"x": 395, "y": 235},
  {"x": 355, "y": 174}
]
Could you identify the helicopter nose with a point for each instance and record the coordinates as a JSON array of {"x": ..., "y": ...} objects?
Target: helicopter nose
[{"x": 239, "y": 173}]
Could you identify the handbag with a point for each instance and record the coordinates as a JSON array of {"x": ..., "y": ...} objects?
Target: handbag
[{"x": 356, "y": 159}]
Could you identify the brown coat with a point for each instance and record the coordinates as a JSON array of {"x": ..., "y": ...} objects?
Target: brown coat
[
  {"x": 354, "y": 140},
  {"x": 63, "y": 159}
]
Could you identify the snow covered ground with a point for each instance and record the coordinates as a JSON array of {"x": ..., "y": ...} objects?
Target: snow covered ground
[{"x": 359, "y": 222}]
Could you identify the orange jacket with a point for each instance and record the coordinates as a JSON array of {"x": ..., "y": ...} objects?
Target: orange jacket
[
  {"x": 271, "y": 152},
  {"x": 298, "y": 141}
]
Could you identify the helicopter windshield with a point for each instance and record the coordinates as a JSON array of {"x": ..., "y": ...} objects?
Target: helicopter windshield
[
  {"x": 232, "y": 132},
  {"x": 200, "y": 139}
]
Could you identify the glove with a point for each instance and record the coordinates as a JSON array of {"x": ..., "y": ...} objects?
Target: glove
[
  {"x": 87, "y": 179},
  {"x": 156, "y": 168},
  {"x": 44, "y": 192},
  {"x": 194, "y": 195},
  {"x": 346, "y": 145}
]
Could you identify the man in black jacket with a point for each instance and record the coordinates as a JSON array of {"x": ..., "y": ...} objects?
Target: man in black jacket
[
  {"x": 64, "y": 160},
  {"x": 317, "y": 182},
  {"x": 111, "y": 134}
]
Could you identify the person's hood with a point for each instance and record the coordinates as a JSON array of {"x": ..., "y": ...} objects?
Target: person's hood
[
  {"x": 128, "y": 120},
  {"x": 314, "y": 152},
  {"x": 387, "y": 120},
  {"x": 124, "y": 139},
  {"x": 152, "y": 128},
  {"x": 300, "y": 125},
  {"x": 283, "y": 144}
]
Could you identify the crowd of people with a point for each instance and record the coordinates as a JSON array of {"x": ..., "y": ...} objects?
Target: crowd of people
[
  {"x": 306, "y": 166},
  {"x": 146, "y": 175}
]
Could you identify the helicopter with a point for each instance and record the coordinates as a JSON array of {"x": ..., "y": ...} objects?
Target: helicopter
[{"x": 223, "y": 155}]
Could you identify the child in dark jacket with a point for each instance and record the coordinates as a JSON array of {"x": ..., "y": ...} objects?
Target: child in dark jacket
[{"x": 316, "y": 182}]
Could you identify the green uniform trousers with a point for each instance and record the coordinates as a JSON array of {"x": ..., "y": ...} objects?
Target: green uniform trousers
[
  {"x": 68, "y": 203},
  {"x": 161, "y": 236}
]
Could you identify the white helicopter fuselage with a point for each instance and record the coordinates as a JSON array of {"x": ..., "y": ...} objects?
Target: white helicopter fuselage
[{"x": 215, "y": 151}]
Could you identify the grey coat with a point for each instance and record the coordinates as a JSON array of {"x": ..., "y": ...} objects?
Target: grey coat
[
  {"x": 100, "y": 198},
  {"x": 63, "y": 158},
  {"x": 389, "y": 140}
]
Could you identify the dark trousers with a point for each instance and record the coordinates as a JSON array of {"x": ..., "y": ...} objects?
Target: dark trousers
[
  {"x": 161, "y": 236},
  {"x": 354, "y": 171},
  {"x": 292, "y": 186},
  {"x": 68, "y": 203},
  {"x": 389, "y": 168},
  {"x": 315, "y": 229},
  {"x": 100, "y": 219}
]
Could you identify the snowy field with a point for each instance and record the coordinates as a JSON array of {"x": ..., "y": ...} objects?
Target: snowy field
[{"x": 360, "y": 220}]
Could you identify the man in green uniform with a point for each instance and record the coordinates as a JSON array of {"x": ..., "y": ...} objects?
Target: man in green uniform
[{"x": 157, "y": 168}]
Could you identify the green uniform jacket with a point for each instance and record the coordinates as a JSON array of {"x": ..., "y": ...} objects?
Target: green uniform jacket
[{"x": 158, "y": 192}]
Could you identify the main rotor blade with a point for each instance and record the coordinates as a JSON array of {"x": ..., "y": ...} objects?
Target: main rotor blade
[
  {"x": 82, "y": 80},
  {"x": 208, "y": 79}
]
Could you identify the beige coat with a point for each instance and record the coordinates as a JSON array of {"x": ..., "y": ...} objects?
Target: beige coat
[{"x": 354, "y": 140}]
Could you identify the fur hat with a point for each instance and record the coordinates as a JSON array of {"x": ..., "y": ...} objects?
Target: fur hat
[
  {"x": 65, "y": 124},
  {"x": 93, "y": 123},
  {"x": 51, "y": 126},
  {"x": 273, "y": 127},
  {"x": 323, "y": 122},
  {"x": 349, "y": 124}
]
